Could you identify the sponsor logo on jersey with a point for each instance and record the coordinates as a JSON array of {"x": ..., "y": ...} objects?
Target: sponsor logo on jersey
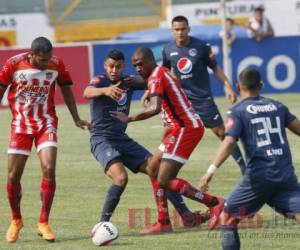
[
  {"x": 49, "y": 75},
  {"x": 193, "y": 52},
  {"x": 184, "y": 65},
  {"x": 255, "y": 109},
  {"x": 95, "y": 80},
  {"x": 174, "y": 53}
]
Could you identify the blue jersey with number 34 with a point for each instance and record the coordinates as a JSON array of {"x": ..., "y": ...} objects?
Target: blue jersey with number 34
[{"x": 260, "y": 124}]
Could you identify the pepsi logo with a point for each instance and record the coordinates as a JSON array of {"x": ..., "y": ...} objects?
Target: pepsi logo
[{"x": 184, "y": 65}]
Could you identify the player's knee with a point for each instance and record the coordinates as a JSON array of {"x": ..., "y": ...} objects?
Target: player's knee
[
  {"x": 227, "y": 219},
  {"x": 297, "y": 218},
  {"x": 121, "y": 180},
  {"x": 220, "y": 132},
  {"x": 49, "y": 170},
  {"x": 162, "y": 182},
  {"x": 13, "y": 177}
]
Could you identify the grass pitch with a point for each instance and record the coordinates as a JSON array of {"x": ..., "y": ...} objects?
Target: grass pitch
[{"x": 81, "y": 188}]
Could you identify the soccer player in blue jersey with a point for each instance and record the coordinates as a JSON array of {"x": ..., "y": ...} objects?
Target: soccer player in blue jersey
[
  {"x": 269, "y": 177},
  {"x": 188, "y": 58},
  {"x": 111, "y": 146}
]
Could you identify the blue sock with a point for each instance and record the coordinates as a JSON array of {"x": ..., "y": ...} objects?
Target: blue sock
[
  {"x": 238, "y": 157},
  {"x": 178, "y": 203},
  {"x": 230, "y": 238},
  {"x": 111, "y": 201}
]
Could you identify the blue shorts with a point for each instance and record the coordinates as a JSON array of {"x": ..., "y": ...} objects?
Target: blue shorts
[
  {"x": 246, "y": 199},
  {"x": 127, "y": 151},
  {"x": 209, "y": 113}
]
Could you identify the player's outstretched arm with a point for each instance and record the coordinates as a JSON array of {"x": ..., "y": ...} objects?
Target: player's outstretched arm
[
  {"x": 71, "y": 104},
  {"x": 136, "y": 82},
  {"x": 113, "y": 92},
  {"x": 2, "y": 91},
  {"x": 294, "y": 126},
  {"x": 231, "y": 96},
  {"x": 223, "y": 153},
  {"x": 152, "y": 109}
]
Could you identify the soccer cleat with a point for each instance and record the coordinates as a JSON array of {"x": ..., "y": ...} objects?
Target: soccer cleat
[
  {"x": 215, "y": 212},
  {"x": 13, "y": 231},
  {"x": 44, "y": 230},
  {"x": 157, "y": 228},
  {"x": 195, "y": 219}
]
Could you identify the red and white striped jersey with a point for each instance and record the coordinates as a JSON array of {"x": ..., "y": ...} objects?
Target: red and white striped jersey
[
  {"x": 177, "y": 111},
  {"x": 31, "y": 92}
]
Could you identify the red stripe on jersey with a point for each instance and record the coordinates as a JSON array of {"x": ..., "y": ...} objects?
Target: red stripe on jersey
[{"x": 177, "y": 110}]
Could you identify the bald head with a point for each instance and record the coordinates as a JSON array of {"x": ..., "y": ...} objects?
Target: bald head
[{"x": 144, "y": 62}]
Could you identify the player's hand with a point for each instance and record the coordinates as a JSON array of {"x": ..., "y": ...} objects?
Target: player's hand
[
  {"x": 114, "y": 91},
  {"x": 120, "y": 116},
  {"x": 83, "y": 124},
  {"x": 204, "y": 180},
  {"x": 231, "y": 96},
  {"x": 145, "y": 100}
]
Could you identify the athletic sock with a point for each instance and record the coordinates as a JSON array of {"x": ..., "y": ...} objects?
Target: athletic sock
[
  {"x": 230, "y": 238},
  {"x": 14, "y": 195},
  {"x": 238, "y": 157},
  {"x": 47, "y": 194},
  {"x": 174, "y": 198},
  {"x": 183, "y": 187},
  {"x": 111, "y": 201},
  {"x": 162, "y": 205}
]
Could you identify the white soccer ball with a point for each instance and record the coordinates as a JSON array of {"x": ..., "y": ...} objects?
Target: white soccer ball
[{"x": 104, "y": 233}]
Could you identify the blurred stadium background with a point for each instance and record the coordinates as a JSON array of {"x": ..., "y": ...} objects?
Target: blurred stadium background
[{"x": 83, "y": 31}]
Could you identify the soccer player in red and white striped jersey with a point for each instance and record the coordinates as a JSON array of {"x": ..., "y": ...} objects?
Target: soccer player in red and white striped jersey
[
  {"x": 185, "y": 130},
  {"x": 31, "y": 78}
]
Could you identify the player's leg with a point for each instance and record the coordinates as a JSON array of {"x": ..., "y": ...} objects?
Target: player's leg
[
  {"x": 46, "y": 144},
  {"x": 287, "y": 200},
  {"x": 18, "y": 152},
  {"x": 109, "y": 157},
  {"x": 242, "y": 203}
]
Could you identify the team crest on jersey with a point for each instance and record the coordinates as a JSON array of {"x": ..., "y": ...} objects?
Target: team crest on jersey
[
  {"x": 123, "y": 99},
  {"x": 49, "y": 75},
  {"x": 193, "y": 52},
  {"x": 184, "y": 65}
]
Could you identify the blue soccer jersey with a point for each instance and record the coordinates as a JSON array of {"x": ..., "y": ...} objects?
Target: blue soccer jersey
[
  {"x": 260, "y": 124},
  {"x": 103, "y": 124},
  {"x": 189, "y": 64}
]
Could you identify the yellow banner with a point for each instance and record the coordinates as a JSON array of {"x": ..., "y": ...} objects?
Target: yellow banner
[{"x": 8, "y": 38}]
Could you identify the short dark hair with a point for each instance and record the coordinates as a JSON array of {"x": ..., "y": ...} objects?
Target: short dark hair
[
  {"x": 115, "y": 55},
  {"x": 41, "y": 45},
  {"x": 259, "y": 8},
  {"x": 250, "y": 78},
  {"x": 180, "y": 19},
  {"x": 145, "y": 52}
]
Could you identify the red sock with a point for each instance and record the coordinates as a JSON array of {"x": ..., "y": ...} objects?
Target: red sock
[
  {"x": 183, "y": 187},
  {"x": 14, "y": 195},
  {"x": 155, "y": 188},
  {"x": 162, "y": 206},
  {"x": 47, "y": 194}
]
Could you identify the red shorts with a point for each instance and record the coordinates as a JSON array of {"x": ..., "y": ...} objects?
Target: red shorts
[
  {"x": 179, "y": 143},
  {"x": 22, "y": 143}
]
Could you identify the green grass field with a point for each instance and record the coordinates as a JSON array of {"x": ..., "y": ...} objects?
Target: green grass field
[{"x": 81, "y": 188}]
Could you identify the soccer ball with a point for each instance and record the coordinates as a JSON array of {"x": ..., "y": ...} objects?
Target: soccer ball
[{"x": 104, "y": 233}]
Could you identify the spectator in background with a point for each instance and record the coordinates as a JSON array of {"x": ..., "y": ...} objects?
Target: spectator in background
[
  {"x": 229, "y": 33},
  {"x": 259, "y": 26}
]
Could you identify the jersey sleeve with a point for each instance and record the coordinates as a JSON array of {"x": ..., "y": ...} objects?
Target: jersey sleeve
[
  {"x": 210, "y": 57},
  {"x": 155, "y": 86},
  {"x": 6, "y": 74},
  {"x": 233, "y": 125},
  {"x": 165, "y": 61},
  {"x": 289, "y": 117},
  {"x": 95, "y": 82},
  {"x": 64, "y": 77}
]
